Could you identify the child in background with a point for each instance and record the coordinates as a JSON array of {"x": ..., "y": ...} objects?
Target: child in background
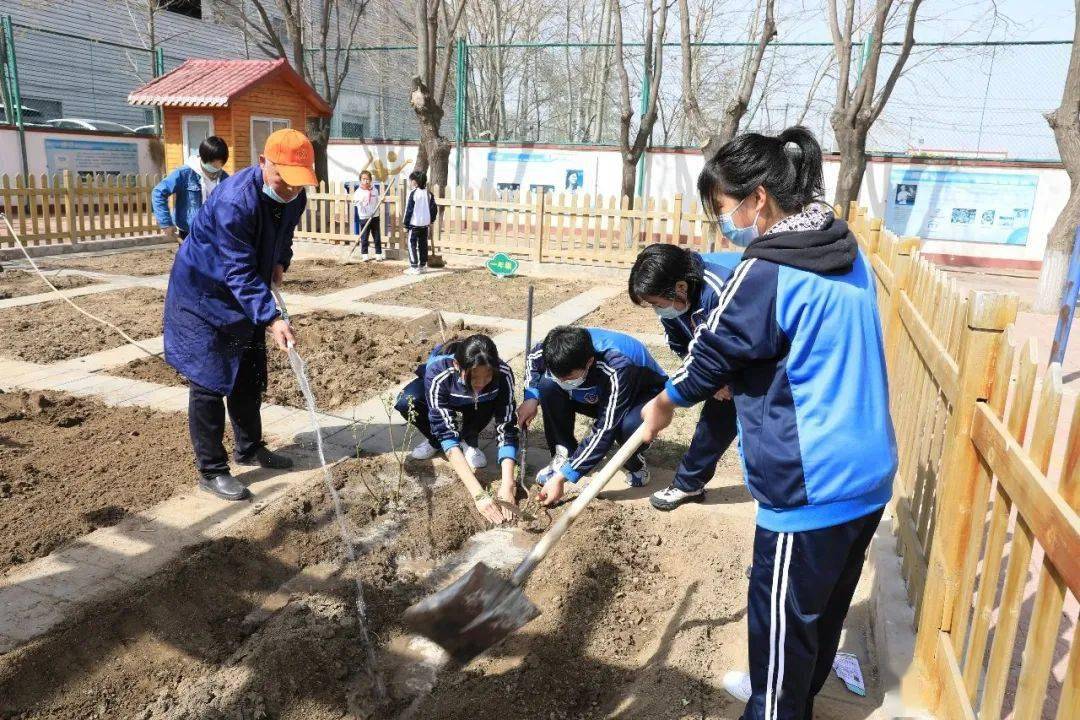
[
  {"x": 420, "y": 213},
  {"x": 366, "y": 207}
]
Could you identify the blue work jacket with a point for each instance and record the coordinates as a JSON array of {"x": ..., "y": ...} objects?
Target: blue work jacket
[
  {"x": 185, "y": 185},
  {"x": 219, "y": 300}
]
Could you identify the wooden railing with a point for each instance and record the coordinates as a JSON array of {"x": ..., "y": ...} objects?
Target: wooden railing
[
  {"x": 63, "y": 208},
  {"x": 977, "y": 497},
  {"x": 578, "y": 228}
]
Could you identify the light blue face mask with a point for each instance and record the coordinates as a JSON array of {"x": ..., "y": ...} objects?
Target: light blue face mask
[
  {"x": 210, "y": 169},
  {"x": 670, "y": 312},
  {"x": 739, "y": 236},
  {"x": 269, "y": 192}
]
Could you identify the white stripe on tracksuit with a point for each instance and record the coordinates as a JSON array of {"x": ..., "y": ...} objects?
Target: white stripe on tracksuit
[
  {"x": 774, "y": 683},
  {"x": 433, "y": 398},
  {"x": 414, "y": 253},
  {"x": 609, "y": 415}
]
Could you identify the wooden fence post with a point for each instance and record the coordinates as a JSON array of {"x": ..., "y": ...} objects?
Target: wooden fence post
[
  {"x": 69, "y": 207},
  {"x": 988, "y": 316},
  {"x": 676, "y": 219},
  {"x": 541, "y": 221},
  {"x": 891, "y": 323},
  {"x": 873, "y": 237}
]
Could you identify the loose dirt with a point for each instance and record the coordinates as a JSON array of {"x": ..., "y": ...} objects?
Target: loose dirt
[
  {"x": 70, "y": 465},
  {"x": 136, "y": 262},
  {"x": 618, "y": 313},
  {"x": 54, "y": 331},
  {"x": 317, "y": 277},
  {"x": 478, "y": 292},
  {"x": 17, "y": 283}
]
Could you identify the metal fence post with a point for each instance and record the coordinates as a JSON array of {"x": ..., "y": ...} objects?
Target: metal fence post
[
  {"x": 461, "y": 101},
  {"x": 14, "y": 94},
  {"x": 1068, "y": 304}
]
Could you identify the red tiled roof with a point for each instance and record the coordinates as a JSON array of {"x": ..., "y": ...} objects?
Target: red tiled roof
[{"x": 214, "y": 83}]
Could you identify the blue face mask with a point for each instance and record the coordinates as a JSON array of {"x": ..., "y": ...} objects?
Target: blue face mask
[
  {"x": 269, "y": 192},
  {"x": 739, "y": 237},
  {"x": 210, "y": 169}
]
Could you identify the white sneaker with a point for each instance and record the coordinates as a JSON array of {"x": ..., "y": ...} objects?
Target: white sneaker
[
  {"x": 379, "y": 257},
  {"x": 475, "y": 457},
  {"x": 367, "y": 258},
  {"x": 640, "y": 478},
  {"x": 424, "y": 451},
  {"x": 672, "y": 497},
  {"x": 421, "y": 270},
  {"x": 737, "y": 685},
  {"x": 411, "y": 271}
]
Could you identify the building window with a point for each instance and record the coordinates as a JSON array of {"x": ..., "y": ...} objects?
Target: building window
[
  {"x": 196, "y": 129},
  {"x": 261, "y": 127},
  {"x": 352, "y": 127},
  {"x": 191, "y": 8}
]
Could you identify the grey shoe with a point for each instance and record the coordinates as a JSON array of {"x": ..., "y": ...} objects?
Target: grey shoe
[
  {"x": 225, "y": 486},
  {"x": 263, "y": 457}
]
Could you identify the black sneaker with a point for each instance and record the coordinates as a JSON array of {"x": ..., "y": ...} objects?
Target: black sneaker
[
  {"x": 263, "y": 457},
  {"x": 225, "y": 486},
  {"x": 672, "y": 497}
]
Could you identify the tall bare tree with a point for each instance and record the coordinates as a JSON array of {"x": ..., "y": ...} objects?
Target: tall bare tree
[
  {"x": 319, "y": 34},
  {"x": 1065, "y": 122},
  {"x": 653, "y": 36},
  {"x": 434, "y": 58},
  {"x": 736, "y": 106},
  {"x": 858, "y": 107}
]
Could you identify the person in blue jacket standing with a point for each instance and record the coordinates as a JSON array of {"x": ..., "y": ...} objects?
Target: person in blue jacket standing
[
  {"x": 683, "y": 287},
  {"x": 796, "y": 335},
  {"x": 219, "y": 306},
  {"x": 189, "y": 186}
]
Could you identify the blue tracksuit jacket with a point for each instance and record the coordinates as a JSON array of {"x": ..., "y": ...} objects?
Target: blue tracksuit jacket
[
  {"x": 623, "y": 372},
  {"x": 185, "y": 185},
  {"x": 219, "y": 287},
  {"x": 803, "y": 353},
  {"x": 445, "y": 391},
  {"x": 680, "y": 331}
]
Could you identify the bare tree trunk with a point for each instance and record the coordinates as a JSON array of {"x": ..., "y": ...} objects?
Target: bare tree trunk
[
  {"x": 1065, "y": 122},
  {"x": 852, "y": 167}
]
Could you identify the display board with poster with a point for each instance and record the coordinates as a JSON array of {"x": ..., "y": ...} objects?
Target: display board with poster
[
  {"x": 87, "y": 158},
  {"x": 959, "y": 205},
  {"x": 510, "y": 171}
]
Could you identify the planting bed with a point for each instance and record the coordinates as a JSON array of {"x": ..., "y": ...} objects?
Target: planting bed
[
  {"x": 69, "y": 465},
  {"x": 53, "y": 331},
  {"x": 317, "y": 277},
  {"x": 135, "y": 262},
  {"x": 17, "y": 283},
  {"x": 618, "y": 313},
  {"x": 478, "y": 292},
  {"x": 349, "y": 358}
]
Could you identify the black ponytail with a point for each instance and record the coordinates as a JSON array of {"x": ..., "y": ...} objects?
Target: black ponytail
[
  {"x": 788, "y": 166},
  {"x": 659, "y": 266},
  {"x": 472, "y": 352}
]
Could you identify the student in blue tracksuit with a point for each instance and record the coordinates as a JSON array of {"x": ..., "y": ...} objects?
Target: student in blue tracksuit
[
  {"x": 466, "y": 379},
  {"x": 683, "y": 287},
  {"x": 797, "y": 337},
  {"x": 602, "y": 374},
  {"x": 189, "y": 186}
]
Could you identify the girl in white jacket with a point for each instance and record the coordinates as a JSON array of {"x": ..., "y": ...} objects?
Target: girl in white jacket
[{"x": 365, "y": 200}]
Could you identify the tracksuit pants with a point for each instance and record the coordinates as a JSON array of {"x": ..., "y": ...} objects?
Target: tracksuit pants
[
  {"x": 206, "y": 414},
  {"x": 801, "y": 586},
  {"x": 559, "y": 411},
  {"x": 412, "y": 405},
  {"x": 716, "y": 430},
  {"x": 367, "y": 230},
  {"x": 418, "y": 246}
]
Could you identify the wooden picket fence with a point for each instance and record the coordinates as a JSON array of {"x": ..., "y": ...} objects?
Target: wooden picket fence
[
  {"x": 543, "y": 227},
  {"x": 64, "y": 208},
  {"x": 986, "y": 523}
]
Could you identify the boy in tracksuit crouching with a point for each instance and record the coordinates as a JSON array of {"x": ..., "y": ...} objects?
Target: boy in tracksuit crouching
[
  {"x": 420, "y": 212},
  {"x": 598, "y": 373}
]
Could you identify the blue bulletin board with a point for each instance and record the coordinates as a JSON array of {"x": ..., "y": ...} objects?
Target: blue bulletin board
[{"x": 961, "y": 206}]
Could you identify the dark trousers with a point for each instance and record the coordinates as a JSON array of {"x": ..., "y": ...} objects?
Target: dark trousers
[
  {"x": 800, "y": 590},
  {"x": 368, "y": 230},
  {"x": 559, "y": 411},
  {"x": 715, "y": 431},
  {"x": 412, "y": 405},
  {"x": 206, "y": 415},
  {"x": 418, "y": 246}
]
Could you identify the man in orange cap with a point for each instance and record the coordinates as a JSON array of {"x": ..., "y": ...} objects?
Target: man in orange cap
[{"x": 219, "y": 306}]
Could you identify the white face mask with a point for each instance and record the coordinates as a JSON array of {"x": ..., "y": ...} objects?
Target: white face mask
[
  {"x": 671, "y": 311},
  {"x": 571, "y": 384}
]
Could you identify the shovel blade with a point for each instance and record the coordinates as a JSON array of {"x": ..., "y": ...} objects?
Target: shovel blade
[{"x": 472, "y": 614}]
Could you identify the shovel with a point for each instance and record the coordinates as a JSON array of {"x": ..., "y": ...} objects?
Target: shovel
[{"x": 481, "y": 608}]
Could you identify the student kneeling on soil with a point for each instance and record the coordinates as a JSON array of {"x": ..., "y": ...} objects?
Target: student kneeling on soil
[
  {"x": 601, "y": 374},
  {"x": 219, "y": 306},
  {"x": 190, "y": 186},
  {"x": 798, "y": 339},
  {"x": 683, "y": 287},
  {"x": 466, "y": 378}
]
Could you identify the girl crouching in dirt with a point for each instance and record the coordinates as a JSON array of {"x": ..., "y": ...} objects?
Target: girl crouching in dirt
[{"x": 466, "y": 378}]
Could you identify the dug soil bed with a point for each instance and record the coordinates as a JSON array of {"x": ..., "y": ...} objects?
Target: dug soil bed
[
  {"x": 178, "y": 646},
  {"x": 349, "y": 359},
  {"x": 18, "y": 283},
  {"x": 618, "y": 313},
  {"x": 478, "y": 292},
  {"x": 70, "y": 465},
  {"x": 317, "y": 277},
  {"x": 137, "y": 262},
  {"x": 53, "y": 331}
]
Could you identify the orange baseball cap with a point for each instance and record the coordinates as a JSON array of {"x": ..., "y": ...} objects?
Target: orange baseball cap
[{"x": 294, "y": 156}]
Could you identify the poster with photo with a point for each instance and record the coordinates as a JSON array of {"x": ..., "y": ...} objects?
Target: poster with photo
[
  {"x": 534, "y": 169},
  {"x": 960, "y": 205}
]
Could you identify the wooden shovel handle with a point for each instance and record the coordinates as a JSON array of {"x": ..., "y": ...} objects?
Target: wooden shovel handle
[{"x": 552, "y": 536}]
